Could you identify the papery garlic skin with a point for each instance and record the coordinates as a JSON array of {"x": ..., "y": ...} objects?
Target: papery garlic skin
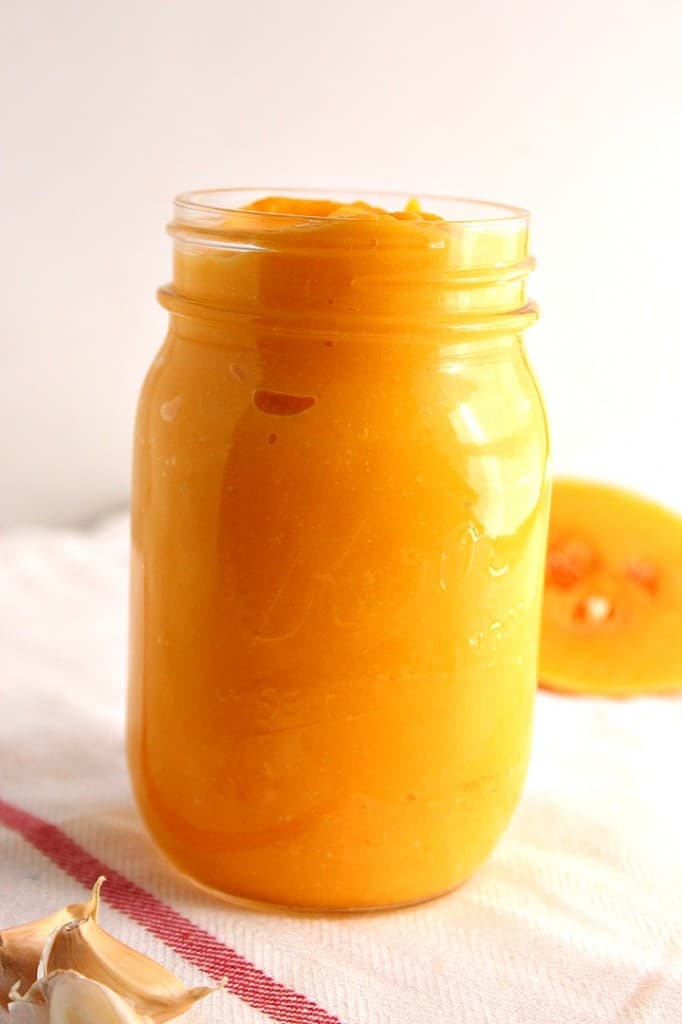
[
  {"x": 28, "y": 1009},
  {"x": 21, "y": 947},
  {"x": 66, "y": 997},
  {"x": 84, "y": 947}
]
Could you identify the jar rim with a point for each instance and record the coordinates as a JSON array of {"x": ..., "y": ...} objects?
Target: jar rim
[{"x": 454, "y": 210}]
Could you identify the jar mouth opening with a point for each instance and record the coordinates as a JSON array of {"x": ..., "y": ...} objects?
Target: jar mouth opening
[
  {"x": 454, "y": 210},
  {"x": 313, "y": 260}
]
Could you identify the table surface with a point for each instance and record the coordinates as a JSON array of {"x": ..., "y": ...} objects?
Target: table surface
[{"x": 575, "y": 919}]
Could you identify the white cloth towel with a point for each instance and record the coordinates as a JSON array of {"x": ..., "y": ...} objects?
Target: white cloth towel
[{"x": 575, "y": 919}]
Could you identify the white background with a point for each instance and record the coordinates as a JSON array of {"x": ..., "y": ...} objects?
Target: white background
[{"x": 109, "y": 108}]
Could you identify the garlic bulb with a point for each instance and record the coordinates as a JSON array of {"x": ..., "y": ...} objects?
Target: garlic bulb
[
  {"x": 84, "y": 947},
  {"x": 22, "y": 946},
  {"x": 66, "y": 997}
]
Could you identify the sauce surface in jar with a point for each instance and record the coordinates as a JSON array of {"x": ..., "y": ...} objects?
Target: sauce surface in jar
[{"x": 339, "y": 523}]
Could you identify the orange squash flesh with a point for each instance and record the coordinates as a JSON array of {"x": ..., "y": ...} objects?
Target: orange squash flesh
[{"x": 612, "y": 617}]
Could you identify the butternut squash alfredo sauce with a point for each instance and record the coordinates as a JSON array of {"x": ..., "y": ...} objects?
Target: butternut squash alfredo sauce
[{"x": 339, "y": 523}]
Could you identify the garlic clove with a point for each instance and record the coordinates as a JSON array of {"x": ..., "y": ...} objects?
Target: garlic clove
[
  {"x": 28, "y": 1013},
  {"x": 66, "y": 997},
  {"x": 21, "y": 946},
  {"x": 84, "y": 947}
]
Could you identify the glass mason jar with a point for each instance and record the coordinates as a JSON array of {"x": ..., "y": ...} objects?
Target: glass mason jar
[{"x": 339, "y": 520}]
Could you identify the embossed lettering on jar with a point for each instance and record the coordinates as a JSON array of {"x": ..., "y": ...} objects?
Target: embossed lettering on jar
[{"x": 339, "y": 524}]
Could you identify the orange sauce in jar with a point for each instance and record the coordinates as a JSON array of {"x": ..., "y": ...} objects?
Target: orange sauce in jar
[{"x": 339, "y": 521}]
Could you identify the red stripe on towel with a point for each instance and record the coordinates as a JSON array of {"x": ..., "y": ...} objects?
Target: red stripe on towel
[{"x": 195, "y": 945}]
